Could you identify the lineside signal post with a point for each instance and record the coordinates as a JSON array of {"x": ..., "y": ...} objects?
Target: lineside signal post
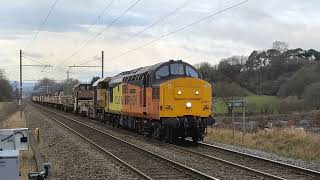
[{"x": 238, "y": 104}]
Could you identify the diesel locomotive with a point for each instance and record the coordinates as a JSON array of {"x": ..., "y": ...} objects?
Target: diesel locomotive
[{"x": 168, "y": 100}]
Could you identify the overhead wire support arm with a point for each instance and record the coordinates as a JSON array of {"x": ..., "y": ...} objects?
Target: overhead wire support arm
[
  {"x": 36, "y": 65},
  {"x": 82, "y": 66}
]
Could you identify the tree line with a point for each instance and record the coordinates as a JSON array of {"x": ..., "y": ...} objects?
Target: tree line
[
  {"x": 50, "y": 86},
  {"x": 278, "y": 71},
  {"x": 6, "y": 91}
]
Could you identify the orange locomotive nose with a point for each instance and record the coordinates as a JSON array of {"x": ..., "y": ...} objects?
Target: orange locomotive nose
[{"x": 186, "y": 97}]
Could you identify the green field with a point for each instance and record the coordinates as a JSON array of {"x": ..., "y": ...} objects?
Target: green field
[{"x": 255, "y": 105}]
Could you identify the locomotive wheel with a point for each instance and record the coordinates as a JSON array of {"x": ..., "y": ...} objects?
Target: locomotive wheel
[{"x": 196, "y": 136}]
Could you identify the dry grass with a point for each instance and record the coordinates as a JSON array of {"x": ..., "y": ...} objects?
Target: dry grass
[
  {"x": 26, "y": 158},
  {"x": 6, "y": 109},
  {"x": 14, "y": 121},
  {"x": 294, "y": 143}
]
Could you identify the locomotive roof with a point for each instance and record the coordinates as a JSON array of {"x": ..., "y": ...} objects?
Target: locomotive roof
[
  {"x": 118, "y": 78},
  {"x": 140, "y": 70},
  {"x": 81, "y": 85},
  {"x": 106, "y": 79}
]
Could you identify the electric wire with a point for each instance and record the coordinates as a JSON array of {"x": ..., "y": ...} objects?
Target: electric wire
[
  {"x": 99, "y": 16},
  {"x": 163, "y": 18},
  {"x": 178, "y": 30},
  {"x": 87, "y": 62},
  {"x": 98, "y": 34},
  {"x": 43, "y": 22},
  {"x": 32, "y": 60}
]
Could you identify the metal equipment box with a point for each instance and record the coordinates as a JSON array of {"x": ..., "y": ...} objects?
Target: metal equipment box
[
  {"x": 9, "y": 164},
  {"x": 14, "y": 139}
]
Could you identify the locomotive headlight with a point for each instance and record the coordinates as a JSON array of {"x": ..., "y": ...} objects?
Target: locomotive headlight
[
  {"x": 197, "y": 92},
  {"x": 179, "y": 92},
  {"x": 188, "y": 104}
]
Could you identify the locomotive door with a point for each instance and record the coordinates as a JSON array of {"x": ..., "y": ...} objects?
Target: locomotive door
[{"x": 103, "y": 99}]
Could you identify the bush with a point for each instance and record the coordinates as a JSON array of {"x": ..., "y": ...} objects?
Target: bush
[
  {"x": 296, "y": 85},
  {"x": 226, "y": 89},
  {"x": 291, "y": 104},
  {"x": 262, "y": 104},
  {"x": 312, "y": 95}
]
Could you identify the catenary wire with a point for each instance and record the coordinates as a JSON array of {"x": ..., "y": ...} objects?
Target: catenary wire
[
  {"x": 43, "y": 22},
  {"x": 178, "y": 30},
  {"x": 102, "y": 12},
  {"x": 163, "y": 18},
  {"x": 98, "y": 34}
]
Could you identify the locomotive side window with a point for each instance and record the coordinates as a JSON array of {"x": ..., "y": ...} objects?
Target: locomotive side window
[
  {"x": 191, "y": 72},
  {"x": 177, "y": 69},
  {"x": 111, "y": 94},
  {"x": 162, "y": 72}
]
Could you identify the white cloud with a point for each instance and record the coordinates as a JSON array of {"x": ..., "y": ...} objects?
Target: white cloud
[{"x": 254, "y": 25}]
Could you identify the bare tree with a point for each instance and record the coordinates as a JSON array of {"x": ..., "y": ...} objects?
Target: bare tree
[
  {"x": 5, "y": 88},
  {"x": 280, "y": 46}
]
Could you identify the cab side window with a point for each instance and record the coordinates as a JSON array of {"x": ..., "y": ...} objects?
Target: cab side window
[
  {"x": 162, "y": 72},
  {"x": 191, "y": 72}
]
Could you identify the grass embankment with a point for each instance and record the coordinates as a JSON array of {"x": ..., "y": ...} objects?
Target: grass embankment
[
  {"x": 294, "y": 143},
  {"x": 6, "y": 109},
  {"x": 255, "y": 104},
  {"x": 10, "y": 118}
]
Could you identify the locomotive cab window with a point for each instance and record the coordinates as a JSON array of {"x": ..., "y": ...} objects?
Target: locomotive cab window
[
  {"x": 191, "y": 72},
  {"x": 111, "y": 95},
  {"x": 162, "y": 72},
  {"x": 177, "y": 69}
]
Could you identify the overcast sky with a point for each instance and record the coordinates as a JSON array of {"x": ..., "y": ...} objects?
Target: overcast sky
[{"x": 253, "y": 25}]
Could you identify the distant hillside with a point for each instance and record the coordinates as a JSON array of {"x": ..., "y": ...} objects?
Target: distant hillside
[{"x": 272, "y": 72}]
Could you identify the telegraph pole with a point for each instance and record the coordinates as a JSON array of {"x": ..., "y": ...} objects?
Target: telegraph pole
[
  {"x": 102, "y": 63},
  {"x": 20, "y": 100},
  {"x": 20, "y": 77}
]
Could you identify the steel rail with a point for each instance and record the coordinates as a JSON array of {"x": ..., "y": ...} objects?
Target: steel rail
[
  {"x": 139, "y": 173},
  {"x": 259, "y": 173},
  {"x": 285, "y": 165},
  {"x": 178, "y": 165}
]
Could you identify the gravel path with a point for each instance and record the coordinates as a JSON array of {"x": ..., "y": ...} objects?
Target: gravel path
[{"x": 71, "y": 156}]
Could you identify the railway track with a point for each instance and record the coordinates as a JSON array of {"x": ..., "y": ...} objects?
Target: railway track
[
  {"x": 257, "y": 167},
  {"x": 261, "y": 165},
  {"x": 144, "y": 163}
]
